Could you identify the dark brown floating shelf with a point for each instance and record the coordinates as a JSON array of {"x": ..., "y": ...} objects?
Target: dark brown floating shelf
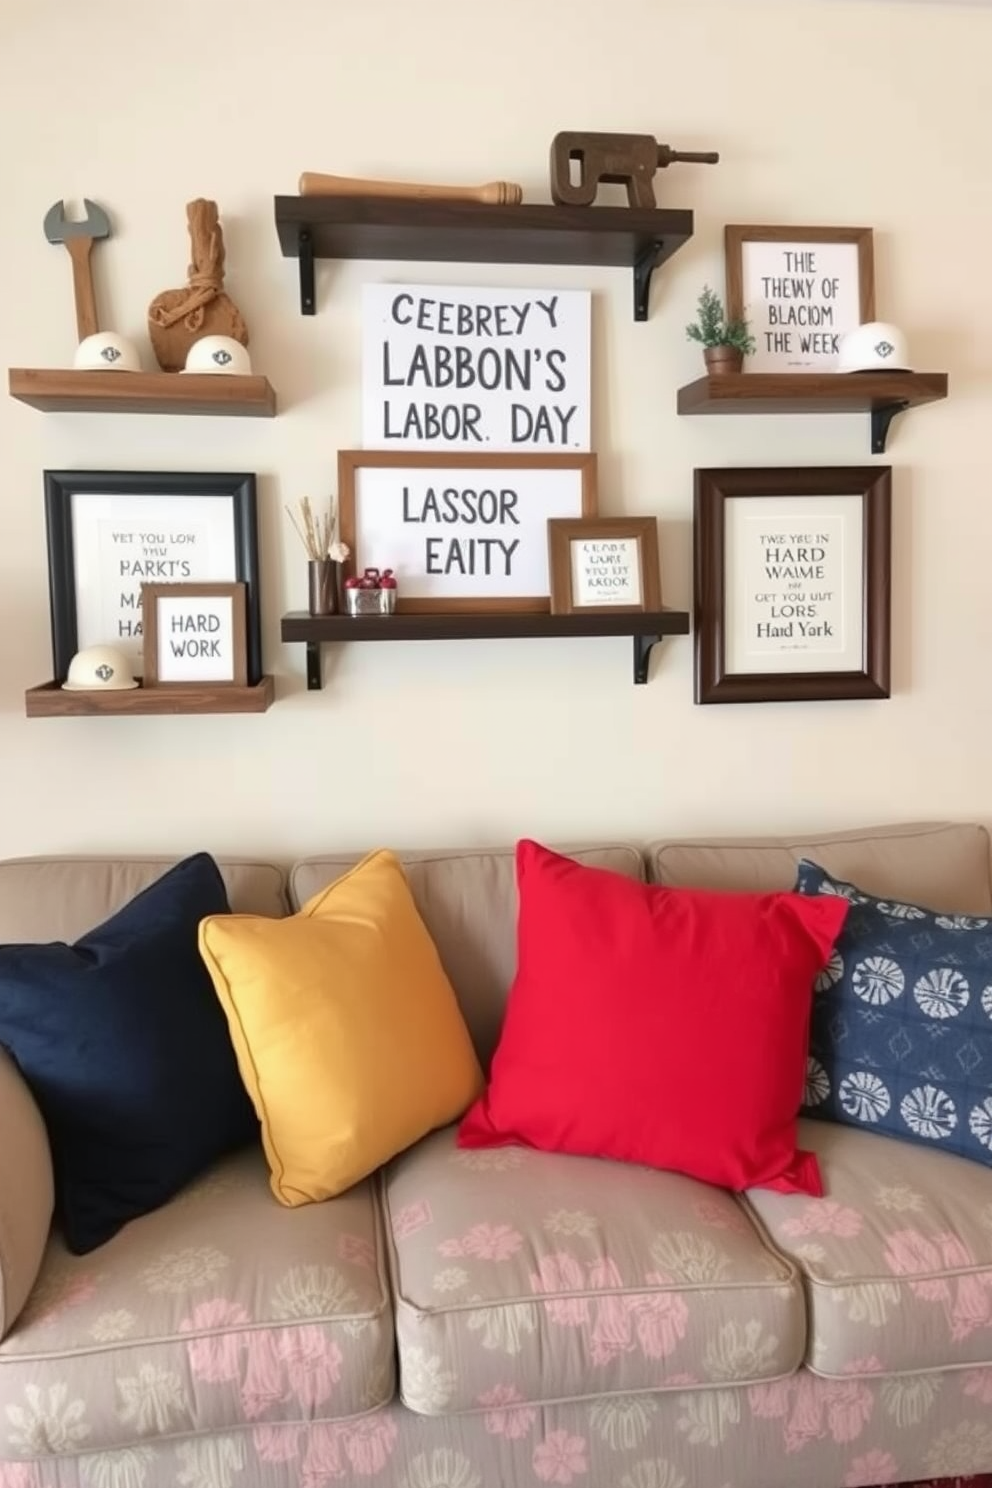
[
  {"x": 638, "y": 238},
  {"x": 64, "y": 390},
  {"x": 51, "y": 701},
  {"x": 647, "y": 630},
  {"x": 880, "y": 394}
]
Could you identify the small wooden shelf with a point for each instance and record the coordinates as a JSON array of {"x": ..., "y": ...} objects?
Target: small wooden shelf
[
  {"x": 880, "y": 394},
  {"x": 647, "y": 630},
  {"x": 638, "y": 238},
  {"x": 51, "y": 701},
  {"x": 64, "y": 390}
]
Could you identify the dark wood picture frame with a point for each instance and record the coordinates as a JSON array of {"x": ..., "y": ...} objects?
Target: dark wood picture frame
[
  {"x": 736, "y": 234},
  {"x": 62, "y": 486},
  {"x": 351, "y": 461},
  {"x": 151, "y": 594},
  {"x": 713, "y": 488},
  {"x": 563, "y": 531}
]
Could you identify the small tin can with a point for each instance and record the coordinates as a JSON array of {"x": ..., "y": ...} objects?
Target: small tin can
[{"x": 370, "y": 601}]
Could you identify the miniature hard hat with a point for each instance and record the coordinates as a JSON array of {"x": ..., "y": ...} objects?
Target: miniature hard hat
[
  {"x": 874, "y": 347},
  {"x": 99, "y": 669},
  {"x": 106, "y": 352},
  {"x": 217, "y": 354}
]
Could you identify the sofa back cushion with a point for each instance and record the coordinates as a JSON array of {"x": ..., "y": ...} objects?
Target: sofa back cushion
[
  {"x": 942, "y": 865},
  {"x": 468, "y": 901},
  {"x": 60, "y": 898}
]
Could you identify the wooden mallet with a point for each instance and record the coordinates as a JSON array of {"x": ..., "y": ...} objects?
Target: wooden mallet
[{"x": 496, "y": 193}]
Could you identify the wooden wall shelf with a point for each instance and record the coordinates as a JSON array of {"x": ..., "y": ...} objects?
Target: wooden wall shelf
[
  {"x": 65, "y": 390},
  {"x": 647, "y": 630},
  {"x": 880, "y": 394},
  {"x": 50, "y": 701},
  {"x": 638, "y": 238}
]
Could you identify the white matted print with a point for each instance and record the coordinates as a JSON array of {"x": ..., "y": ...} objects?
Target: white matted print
[
  {"x": 605, "y": 571},
  {"x": 120, "y": 543},
  {"x": 794, "y": 575},
  {"x": 481, "y": 369},
  {"x": 461, "y": 533}
]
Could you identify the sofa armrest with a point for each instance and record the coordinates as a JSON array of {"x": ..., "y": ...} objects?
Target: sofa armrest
[{"x": 26, "y": 1191}]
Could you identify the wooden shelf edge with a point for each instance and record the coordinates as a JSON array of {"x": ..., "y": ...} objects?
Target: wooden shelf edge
[
  {"x": 826, "y": 392},
  {"x": 299, "y": 627},
  {"x": 49, "y": 700},
  {"x": 67, "y": 390}
]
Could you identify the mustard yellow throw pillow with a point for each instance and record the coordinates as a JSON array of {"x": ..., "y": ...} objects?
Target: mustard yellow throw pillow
[{"x": 347, "y": 1032}]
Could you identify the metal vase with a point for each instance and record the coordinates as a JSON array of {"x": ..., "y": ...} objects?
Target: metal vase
[{"x": 323, "y": 586}]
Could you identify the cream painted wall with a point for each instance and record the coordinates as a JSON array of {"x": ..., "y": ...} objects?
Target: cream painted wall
[{"x": 843, "y": 111}]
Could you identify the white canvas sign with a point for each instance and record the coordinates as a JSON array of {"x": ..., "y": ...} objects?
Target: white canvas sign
[
  {"x": 457, "y": 532},
  {"x": 800, "y": 299},
  {"x": 475, "y": 369},
  {"x": 794, "y": 584}
]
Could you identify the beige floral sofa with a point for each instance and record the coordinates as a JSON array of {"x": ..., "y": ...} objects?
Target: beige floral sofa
[{"x": 479, "y": 1318}]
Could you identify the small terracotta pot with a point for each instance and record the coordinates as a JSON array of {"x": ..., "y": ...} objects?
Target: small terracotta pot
[{"x": 721, "y": 359}]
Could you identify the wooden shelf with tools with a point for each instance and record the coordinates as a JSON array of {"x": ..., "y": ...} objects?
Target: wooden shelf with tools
[
  {"x": 882, "y": 395},
  {"x": 66, "y": 390},
  {"x": 647, "y": 629},
  {"x": 638, "y": 238},
  {"x": 51, "y": 700}
]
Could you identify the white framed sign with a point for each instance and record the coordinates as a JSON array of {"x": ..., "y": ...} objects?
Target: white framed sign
[
  {"x": 801, "y": 289},
  {"x": 792, "y": 582},
  {"x": 460, "y": 532},
  {"x": 194, "y": 634},
  {"x": 479, "y": 369}
]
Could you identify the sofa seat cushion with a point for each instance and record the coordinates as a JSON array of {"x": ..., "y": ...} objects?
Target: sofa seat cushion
[
  {"x": 556, "y": 1277},
  {"x": 221, "y": 1309},
  {"x": 897, "y": 1257}
]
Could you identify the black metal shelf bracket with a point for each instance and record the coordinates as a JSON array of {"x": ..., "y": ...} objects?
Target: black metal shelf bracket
[
  {"x": 308, "y": 298},
  {"x": 642, "y": 656},
  {"x": 315, "y": 673},
  {"x": 644, "y": 267},
  {"x": 881, "y": 418}
]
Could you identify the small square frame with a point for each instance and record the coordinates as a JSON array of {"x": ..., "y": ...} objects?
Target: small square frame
[
  {"x": 566, "y": 534},
  {"x": 834, "y": 312},
  {"x": 187, "y": 595}
]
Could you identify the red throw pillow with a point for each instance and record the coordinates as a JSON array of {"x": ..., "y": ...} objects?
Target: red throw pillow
[{"x": 660, "y": 1026}]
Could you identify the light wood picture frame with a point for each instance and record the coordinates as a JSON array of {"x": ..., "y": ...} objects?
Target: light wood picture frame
[
  {"x": 463, "y": 532},
  {"x": 801, "y": 289},
  {"x": 194, "y": 635},
  {"x": 604, "y": 566}
]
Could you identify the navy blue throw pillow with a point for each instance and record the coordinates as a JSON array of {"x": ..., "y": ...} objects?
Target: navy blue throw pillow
[
  {"x": 901, "y": 1033},
  {"x": 126, "y": 1049}
]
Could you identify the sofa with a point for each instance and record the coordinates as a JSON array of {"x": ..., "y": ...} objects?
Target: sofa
[{"x": 504, "y": 1316}]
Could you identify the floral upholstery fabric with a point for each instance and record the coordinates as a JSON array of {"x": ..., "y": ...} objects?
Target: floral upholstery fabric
[
  {"x": 221, "y": 1308},
  {"x": 571, "y": 1276},
  {"x": 802, "y": 1432},
  {"x": 897, "y": 1256}
]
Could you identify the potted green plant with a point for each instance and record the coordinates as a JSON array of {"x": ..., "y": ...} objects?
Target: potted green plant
[{"x": 725, "y": 342}]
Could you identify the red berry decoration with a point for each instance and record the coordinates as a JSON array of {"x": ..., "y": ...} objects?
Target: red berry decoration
[{"x": 388, "y": 580}]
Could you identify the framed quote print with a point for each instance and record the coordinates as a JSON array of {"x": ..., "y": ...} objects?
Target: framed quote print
[
  {"x": 194, "y": 634},
  {"x": 791, "y": 583},
  {"x": 604, "y": 565},
  {"x": 801, "y": 289}
]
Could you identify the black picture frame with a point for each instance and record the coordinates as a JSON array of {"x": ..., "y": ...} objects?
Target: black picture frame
[
  {"x": 63, "y": 486},
  {"x": 810, "y": 487}
]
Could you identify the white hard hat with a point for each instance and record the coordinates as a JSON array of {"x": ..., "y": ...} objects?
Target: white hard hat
[
  {"x": 99, "y": 669},
  {"x": 874, "y": 347},
  {"x": 106, "y": 352},
  {"x": 217, "y": 354}
]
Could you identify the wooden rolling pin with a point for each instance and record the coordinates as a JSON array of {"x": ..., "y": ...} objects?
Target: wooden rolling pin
[{"x": 497, "y": 193}]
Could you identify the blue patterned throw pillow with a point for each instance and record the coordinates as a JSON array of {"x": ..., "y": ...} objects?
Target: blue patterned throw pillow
[{"x": 901, "y": 1034}]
